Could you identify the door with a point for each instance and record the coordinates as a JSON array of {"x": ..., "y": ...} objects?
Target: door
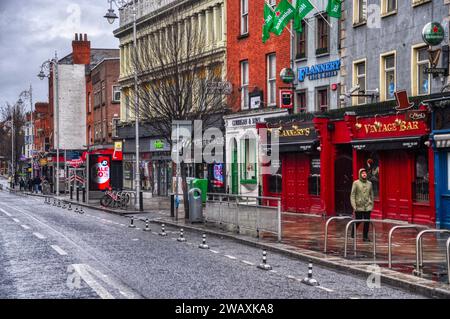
[
  {"x": 162, "y": 178},
  {"x": 295, "y": 172},
  {"x": 444, "y": 177},
  {"x": 397, "y": 185},
  {"x": 234, "y": 169},
  {"x": 343, "y": 180}
]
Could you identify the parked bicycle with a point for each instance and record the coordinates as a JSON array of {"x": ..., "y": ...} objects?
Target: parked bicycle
[{"x": 115, "y": 199}]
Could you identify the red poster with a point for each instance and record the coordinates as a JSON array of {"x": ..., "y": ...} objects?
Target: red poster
[{"x": 102, "y": 175}]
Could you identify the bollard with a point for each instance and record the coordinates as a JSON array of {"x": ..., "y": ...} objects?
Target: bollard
[
  {"x": 84, "y": 195},
  {"x": 163, "y": 231},
  {"x": 81, "y": 211},
  {"x": 181, "y": 239},
  {"x": 54, "y": 201},
  {"x": 59, "y": 203},
  {"x": 64, "y": 206},
  {"x": 132, "y": 223},
  {"x": 147, "y": 227},
  {"x": 71, "y": 192},
  {"x": 76, "y": 209},
  {"x": 264, "y": 265},
  {"x": 78, "y": 194},
  {"x": 70, "y": 206},
  {"x": 203, "y": 245},
  {"x": 310, "y": 281}
]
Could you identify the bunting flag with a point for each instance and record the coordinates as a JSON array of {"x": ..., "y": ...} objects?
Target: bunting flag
[
  {"x": 268, "y": 22},
  {"x": 302, "y": 8},
  {"x": 284, "y": 13},
  {"x": 334, "y": 8}
]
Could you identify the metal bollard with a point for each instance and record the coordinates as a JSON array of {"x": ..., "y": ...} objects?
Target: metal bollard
[
  {"x": 264, "y": 265},
  {"x": 203, "y": 245},
  {"x": 310, "y": 281},
  {"x": 70, "y": 206},
  {"x": 59, "y": 203},
  {"x": 78, "y": 194},
  {"x": 132, "y": 223},
  {"x": 181, "y": 239},
  {"x": 81, "y": 211},
  {"x": 76, "y": 209},
  {"x": 147, "y": 227},
  {"x": 163, "y": 231},
  {"x": 64, "y": 206},
  {"x": 54, "y": 201}
]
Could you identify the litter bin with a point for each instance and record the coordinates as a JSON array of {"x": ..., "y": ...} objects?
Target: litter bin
[
  {"x": 195, "y": 206},
  {"x": 201, "y": 184}
]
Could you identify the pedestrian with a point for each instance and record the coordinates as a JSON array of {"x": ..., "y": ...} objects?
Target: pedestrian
[
  {"x": 37, "y": 183},
  {"x": 22, "y": 184},
  {"x": 30, "y": 184},
  {"x": 361, "y": 198}
]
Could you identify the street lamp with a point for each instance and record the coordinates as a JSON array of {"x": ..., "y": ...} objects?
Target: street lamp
[
  {"x": 46, "y": 66},
  {"x": 111, "y": 16},
  {"x": 28, "y": 94}
]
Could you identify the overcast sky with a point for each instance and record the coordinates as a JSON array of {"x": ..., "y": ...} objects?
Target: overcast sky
[{"x": 32, "y": 30}]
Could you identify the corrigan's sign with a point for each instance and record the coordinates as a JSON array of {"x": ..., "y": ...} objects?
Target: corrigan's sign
[{"x": 319, "y": 71}]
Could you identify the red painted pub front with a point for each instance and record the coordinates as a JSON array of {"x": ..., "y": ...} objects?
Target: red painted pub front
[{"x": 317, "y": 170}]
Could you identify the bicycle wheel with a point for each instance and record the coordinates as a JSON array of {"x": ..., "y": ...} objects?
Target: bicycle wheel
[{"x": 106, "y": 201}]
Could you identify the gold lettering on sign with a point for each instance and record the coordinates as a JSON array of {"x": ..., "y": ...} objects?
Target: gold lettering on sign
[
  {"x": 297, "y": 132},
  {"x": 391, "y": 127}
]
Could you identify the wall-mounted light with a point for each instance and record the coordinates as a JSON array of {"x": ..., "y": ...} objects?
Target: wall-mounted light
[
  {"x": 358, "y": 125},
  {"x": 319, "y": 148},
  {"x": 398, "y": 121},
  {"x": 427, "y": 143},
  {"x": 377, "y": 123}
]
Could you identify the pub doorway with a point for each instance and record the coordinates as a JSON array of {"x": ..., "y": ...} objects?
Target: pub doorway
[{"x": 343, "y": 179}]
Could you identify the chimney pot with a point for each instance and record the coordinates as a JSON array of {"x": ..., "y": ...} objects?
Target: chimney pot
[
  {"x": 85, "y": 37},
  {"x": 76, "y": 36}
]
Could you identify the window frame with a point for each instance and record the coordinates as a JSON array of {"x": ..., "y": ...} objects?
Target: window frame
[
  {"x": 383, "y": 71},
  {"x": 114, "y": 100},
  {"x": 245, "y": 97},
  {"x": 357, "y": 19},
  {"x": 415, "y": 64},
  {"x": 301, "y": 37},
  {"x": 321, "y": 26},
  {"x": 319, "y": 89},
  {"x": 356, "y": 77},
  {"x": 297, "y": 94},
  {"x": 244, "y": 17},
  {"x": 384, "y": 8},
  {"x": 271, "y": 80}
]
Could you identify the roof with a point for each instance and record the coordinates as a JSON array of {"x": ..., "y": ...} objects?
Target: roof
[{"x": 97, "y": 55}]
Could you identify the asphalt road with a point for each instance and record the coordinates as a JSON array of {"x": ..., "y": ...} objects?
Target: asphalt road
[{"x": 49, "y": 252}]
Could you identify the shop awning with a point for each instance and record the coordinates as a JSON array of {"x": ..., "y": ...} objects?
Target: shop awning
[
  {"x": 305, "y": 146},
  {"x": 388, "y": 144},
  {"x": 442, "y": 140}
]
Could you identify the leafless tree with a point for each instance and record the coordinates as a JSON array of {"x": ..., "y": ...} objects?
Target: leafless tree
[
  {"x": 13, "y": 114},
  {"x": 180, "y": 72}
]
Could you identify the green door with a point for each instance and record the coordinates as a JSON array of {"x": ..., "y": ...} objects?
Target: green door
[{"x": 234, "y": 172}]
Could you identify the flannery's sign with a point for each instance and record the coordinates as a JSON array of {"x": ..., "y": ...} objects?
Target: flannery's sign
[
  {"x": 295, "y": 132},
  {"x": 319, "y": 71}
]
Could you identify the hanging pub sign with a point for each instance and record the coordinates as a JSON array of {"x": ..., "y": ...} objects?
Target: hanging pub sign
[
  {"x": 286, "y": 98},
  {"x": 433, "y": 33},
  {"x": 287, "y": 75}
]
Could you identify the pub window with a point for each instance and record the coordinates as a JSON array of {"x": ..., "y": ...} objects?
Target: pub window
[
  {"x": 372, "y": 166},
  {"x": 275, "y": 179},
  {"x": 421, "y": 184},
  {"x": 322, "y": 99},
  {"x": 301, "y": 42},
  {"x": 388, "y": 76},
  {"x": 323, "y": 31},
  {"x": 314, "y": 176},
  {"x": 301, "y": 102},
  {"x": 421, "y": 84}
]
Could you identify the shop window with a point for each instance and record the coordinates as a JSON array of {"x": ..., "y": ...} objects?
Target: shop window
[
  {"x": 314, "y": 176},
  {"x": 421, "y": 184},
  {"x": 372, "y": 167},
  {"x": 248, "y": 161},
  {"x": 275, "y": 180}
]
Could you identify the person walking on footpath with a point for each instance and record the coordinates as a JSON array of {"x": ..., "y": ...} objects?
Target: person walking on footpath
[{"x": 361, "y": 198}]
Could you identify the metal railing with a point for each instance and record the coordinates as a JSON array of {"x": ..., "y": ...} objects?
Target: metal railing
[
  {"x": 391, "y": 234},
  {"x": 327, "y": 224},
  {"x": 245, "y": 212},
  {"x": 419, "y": 247},
  {"x": 372, "y": 223}
]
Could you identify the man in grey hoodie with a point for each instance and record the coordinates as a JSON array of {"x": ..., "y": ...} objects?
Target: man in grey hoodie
[{"x": 361, "y": 198}]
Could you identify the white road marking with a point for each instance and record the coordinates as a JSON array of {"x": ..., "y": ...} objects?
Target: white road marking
[
  {"x": 16, "y": 220},
  {"x": 231, "y": 257},
  {"x": 25, "y": 227},
  {"x": 326, "y": 289},
  {"x": 291, "y": 277},
  {"x": 5, "y": 212},
  {"x": 214, "y": 251},
  {"x": 59, "y": 250},
  {"x": 274, "y": 271},
  {"x": 135, "y": 239},
  {"x": 248, "y": 263},
  {"x": 38, "y": 235}
]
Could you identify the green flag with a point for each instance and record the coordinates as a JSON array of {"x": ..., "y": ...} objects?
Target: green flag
[
  {"x": 302, "y": 8},
  {"x": 284, "y": 13},
  {"x": 334, "y": 8},
  {"x": 268, "y": 22}
]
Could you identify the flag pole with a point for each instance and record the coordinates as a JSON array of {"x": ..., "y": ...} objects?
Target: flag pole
[
  {"x": 286, "y": 27},
  {"x": 320, "y": 13}
]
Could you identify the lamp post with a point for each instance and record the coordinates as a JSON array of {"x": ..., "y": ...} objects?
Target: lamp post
[
  {"x": 111, "y": 16},
  {"x": 28, "y": 94},
  {"x": 46, "y": 66}
]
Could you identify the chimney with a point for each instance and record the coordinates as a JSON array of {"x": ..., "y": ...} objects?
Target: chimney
[{"x": 81, "y": 49}]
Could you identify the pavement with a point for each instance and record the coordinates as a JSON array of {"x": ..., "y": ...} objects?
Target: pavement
[{"x": 227, "y": 270}]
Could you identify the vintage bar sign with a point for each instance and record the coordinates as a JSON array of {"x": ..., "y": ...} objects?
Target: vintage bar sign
[{"x": 319, "y": 71}]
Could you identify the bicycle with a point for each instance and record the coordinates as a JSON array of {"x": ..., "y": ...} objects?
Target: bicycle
[{"x": 115, "y": 199}]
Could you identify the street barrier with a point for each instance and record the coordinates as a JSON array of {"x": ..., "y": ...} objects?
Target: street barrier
[
  {"x": 310, "y": 281},
  {"x": 325, "y": 246},
  {"x": 203, "y": 245},
  {"x": 355, "y": 235},
  {"x": 244, "y": 214},
  {"x": 419, "y": 248},
  {"x": 391, "y": 234},
  {"x": 163, "y": 231},
  {"x": 264, "y": 265},
  {"x": 147, "y": 227},
  {"x": 181, "y": 239},
  {"x": 132, "y": 223}
]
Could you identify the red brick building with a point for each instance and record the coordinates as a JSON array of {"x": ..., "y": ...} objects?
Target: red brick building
[{"x": 253, "y": 67}]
